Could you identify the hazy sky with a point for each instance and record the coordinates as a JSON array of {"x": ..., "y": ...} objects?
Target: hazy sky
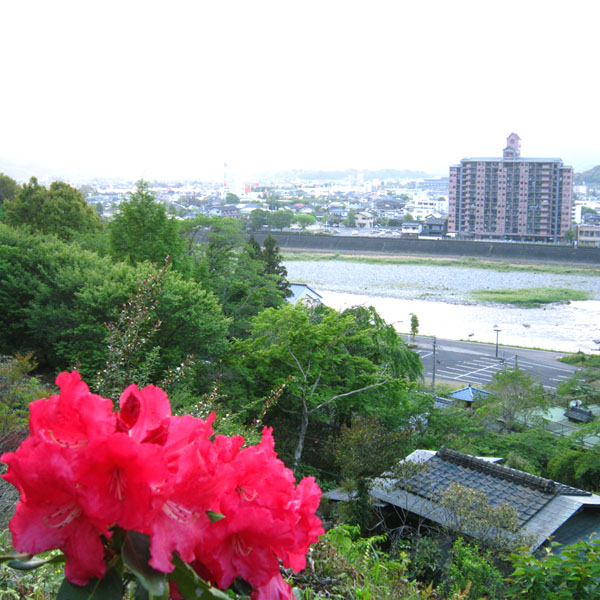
[{"x": 177, "y": 88}]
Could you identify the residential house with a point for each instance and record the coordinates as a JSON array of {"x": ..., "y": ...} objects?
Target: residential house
[
  {"x": 364, "y": 219},
  {"x": 410, "y": 229},
  {"x": 226, "y": 210},
  {"x": 435, "y": 227},
  {"x": 544, "y": 508}
]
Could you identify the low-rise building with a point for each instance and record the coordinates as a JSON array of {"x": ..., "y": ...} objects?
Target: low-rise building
[
  {"x": 588, "y": 235},
  {"x": 364, "y": 219},
  {"x": 410, "y": 229}
]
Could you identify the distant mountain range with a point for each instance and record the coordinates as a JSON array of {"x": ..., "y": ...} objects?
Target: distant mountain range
[
  {"x": 346, "y": 174},
  {"x": 22, "y": 171},
  {"x": 589, "y": 177}
]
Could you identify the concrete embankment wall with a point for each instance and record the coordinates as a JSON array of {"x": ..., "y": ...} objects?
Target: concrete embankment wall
[{"x": 442, "y": 248}]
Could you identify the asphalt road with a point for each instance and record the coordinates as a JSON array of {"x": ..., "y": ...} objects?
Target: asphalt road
[{"x": 476, "y": 363}]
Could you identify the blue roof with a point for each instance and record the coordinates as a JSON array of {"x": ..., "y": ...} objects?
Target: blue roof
[
  {"x": 301, "y": 291},
  {"x": 469, "y": 394}
]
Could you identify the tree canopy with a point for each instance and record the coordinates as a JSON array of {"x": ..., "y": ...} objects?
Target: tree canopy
[
  {"x": 8, "y": 190},
  {"x": 56, "y": 299},
  {"x": 141, "y": 230},
  {"x": 328, "y": 363},
  {"x": 280, "y": 219},
  {"x": 60, "y": 210}
]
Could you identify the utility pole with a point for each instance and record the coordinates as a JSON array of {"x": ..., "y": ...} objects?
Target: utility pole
[
  {"x": 497, "y": 332},
  {"x": 433, "y": 374},
  {"x": 516, "y": 361}
]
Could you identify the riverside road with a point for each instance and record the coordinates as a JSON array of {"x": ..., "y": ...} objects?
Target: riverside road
[{"x": 476, "y": 363}]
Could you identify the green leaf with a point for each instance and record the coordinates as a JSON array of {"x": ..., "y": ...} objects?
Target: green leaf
[
  {"x": 15, "y": 556},
  {"x": 136, "y": 556},
  {"x": 108, "y": 588},
  {"x": 214, "y": 516},
  {"x": 141, "y": 593},
  {"x": 28, "y": 564},
  {"x": 190, "y": 585}
]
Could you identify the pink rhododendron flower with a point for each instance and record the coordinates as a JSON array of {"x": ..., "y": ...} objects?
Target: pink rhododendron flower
[
  {"x": 122, "y": 480},
  {"x": 50, "y": 513},
  {"x": 144, "y": 414},
  {"x": 275, "y": 589},
  {"x": 195, "y": 488},
  {"x": 228, "y": 510},
  {"x": 243, "y": 545},
  {"x": 73, "y": 417}
]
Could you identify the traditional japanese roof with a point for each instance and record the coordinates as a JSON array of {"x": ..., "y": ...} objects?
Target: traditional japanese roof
[{"x": 542, "y": 505}]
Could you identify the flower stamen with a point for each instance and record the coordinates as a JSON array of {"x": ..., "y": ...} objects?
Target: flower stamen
[
  {"x": 63, "y": 516},
  {"x": 179, "y": 513}
]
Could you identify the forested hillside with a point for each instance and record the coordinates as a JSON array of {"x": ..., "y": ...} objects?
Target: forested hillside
[{"x": 591, "y": 177}]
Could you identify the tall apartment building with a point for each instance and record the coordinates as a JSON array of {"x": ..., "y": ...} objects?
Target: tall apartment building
[{"x": 524, "y": 199}]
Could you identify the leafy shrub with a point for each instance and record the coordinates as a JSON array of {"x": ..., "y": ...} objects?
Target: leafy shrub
[
  {"x": 573, "y": 574},
  {"x": 425, "y": 559},
  {"x": 17, "y": 390},
  {"x": 38, "y": 584},
  {"x": 471, "y": 569},
  {"x": 343, "y": 565}
]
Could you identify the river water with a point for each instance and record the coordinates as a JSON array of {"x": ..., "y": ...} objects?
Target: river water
[{"x": 440, "y": 297}]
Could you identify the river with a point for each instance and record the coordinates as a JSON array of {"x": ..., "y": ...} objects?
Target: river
[{"x": 440, "y": 297}]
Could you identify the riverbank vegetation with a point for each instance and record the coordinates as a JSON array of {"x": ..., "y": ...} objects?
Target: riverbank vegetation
[
  {"x": 530, "y": 297},
  {"x": 465, "y": 262},
  {"x": 342, "y": 391}
]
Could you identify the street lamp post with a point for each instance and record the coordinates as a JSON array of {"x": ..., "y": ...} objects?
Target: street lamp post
[{"x": 497, "y": 332}]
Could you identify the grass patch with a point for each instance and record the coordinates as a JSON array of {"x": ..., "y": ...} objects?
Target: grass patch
[
  {"x": 470, "y": 263},
  {"x": 584, "y": 360},
  {"x": 530, "y": 297}
]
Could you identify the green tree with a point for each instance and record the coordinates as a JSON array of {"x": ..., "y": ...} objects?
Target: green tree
[
  {"x": 8, "y": 190},
  {"x": 365, "y": 450},
  {"x": 274, "y": 268},
  {"x": 244, "y": 279},
  {"x": 321, "y": 357},
  {"x": 469, "y": 510},
  {"x": 305, "y": 220},
  {"x": 141, "y": 230},
  {"x": 414, "y": 326},
  {"x": 516, "y": 398},
  {"x": 87, "y": 190},
  {"x": 60, "y": 211},
  {"x": 65, "y": 212},
  {"x": 17, "y": 389},
  {"x": 57, "y": 298},
  {"x": 25, "y": 209},
  {"x": 231, "y": 198},
  {"x": 570, "y": 236},
  {"x": 350, "y": 219},
  {"x": 473, "y": 569},
  {"x": 258, "y": 219},
  {"x": 280, "y": 219}
]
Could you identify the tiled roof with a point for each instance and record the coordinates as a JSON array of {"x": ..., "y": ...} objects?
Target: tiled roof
[
  {"x": 543, "y": 506},
  {"x": 526, "y": 493}
]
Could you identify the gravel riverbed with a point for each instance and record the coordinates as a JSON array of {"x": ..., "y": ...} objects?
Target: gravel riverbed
[{"x": 440, "y": 297}]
